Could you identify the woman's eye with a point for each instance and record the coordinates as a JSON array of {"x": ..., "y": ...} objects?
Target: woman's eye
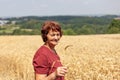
[
  {"x": 55, "y": 34},
  {"x": 58, "y": 34},
  {"x": 52, "y": 34}
]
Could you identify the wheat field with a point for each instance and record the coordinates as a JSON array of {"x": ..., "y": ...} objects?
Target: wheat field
[{"x": 88, "y": 57}]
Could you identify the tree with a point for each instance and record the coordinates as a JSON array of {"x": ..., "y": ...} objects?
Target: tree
[
  {"x": 69, "y": 32},
  {"x": 86, "y": 30},
  {"x": 114, "y": 26}
]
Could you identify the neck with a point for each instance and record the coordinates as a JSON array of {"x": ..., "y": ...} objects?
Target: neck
[{"x": 49, "y": 46}]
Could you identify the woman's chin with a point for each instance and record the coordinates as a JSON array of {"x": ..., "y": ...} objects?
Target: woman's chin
[{"x": 54, "y": 44}]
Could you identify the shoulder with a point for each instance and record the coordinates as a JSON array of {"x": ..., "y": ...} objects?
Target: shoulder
[
  {"x": 42, "y": 51},
  {"x": 41, "y": 54}
]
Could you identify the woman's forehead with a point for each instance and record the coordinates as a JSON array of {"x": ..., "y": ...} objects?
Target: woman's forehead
[{"x": 52, "y": 31}]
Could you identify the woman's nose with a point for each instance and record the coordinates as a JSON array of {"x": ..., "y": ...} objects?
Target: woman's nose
[{"x": 56, "y": 37}]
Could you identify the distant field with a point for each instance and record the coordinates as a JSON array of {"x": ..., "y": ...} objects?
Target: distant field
[{"x": 88, "y": 57}]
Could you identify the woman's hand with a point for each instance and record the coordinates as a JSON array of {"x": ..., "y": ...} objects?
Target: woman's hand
[{"x": 61, "y": 71}]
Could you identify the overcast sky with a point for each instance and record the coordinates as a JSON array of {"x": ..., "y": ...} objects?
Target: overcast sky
[{"x": 14, "y": 8}]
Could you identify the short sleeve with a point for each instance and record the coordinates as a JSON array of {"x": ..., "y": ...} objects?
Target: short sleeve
[{"x": 40, "y": 64}]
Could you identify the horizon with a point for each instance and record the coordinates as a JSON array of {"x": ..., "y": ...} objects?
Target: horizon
[{"x": 92, "y": 15}]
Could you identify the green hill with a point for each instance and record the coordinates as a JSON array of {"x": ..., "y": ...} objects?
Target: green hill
[{"x": 71, "y": 25}]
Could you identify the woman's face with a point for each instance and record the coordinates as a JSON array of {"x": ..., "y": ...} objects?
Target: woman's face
[{"x": 53, "y": 37}]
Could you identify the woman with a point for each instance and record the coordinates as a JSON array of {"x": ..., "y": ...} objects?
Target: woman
[{"x": 46, "y": 62}]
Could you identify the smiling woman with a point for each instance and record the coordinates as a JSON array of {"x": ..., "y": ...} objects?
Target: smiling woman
[{"x": 46, "y": 62}]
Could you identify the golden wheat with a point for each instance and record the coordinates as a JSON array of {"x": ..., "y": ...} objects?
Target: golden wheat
[{"x": 88, "y": 57}]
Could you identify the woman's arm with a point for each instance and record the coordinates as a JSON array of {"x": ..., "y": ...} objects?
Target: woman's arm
[
  {"x": 60, "y": 71},
  {"x": 52, "y": 76}
]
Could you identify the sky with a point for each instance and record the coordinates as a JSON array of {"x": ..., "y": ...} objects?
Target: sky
[{"x": 15, "y": 8}]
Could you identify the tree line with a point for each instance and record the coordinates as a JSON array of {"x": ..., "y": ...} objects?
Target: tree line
[{"x": 71, "y": 25}]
